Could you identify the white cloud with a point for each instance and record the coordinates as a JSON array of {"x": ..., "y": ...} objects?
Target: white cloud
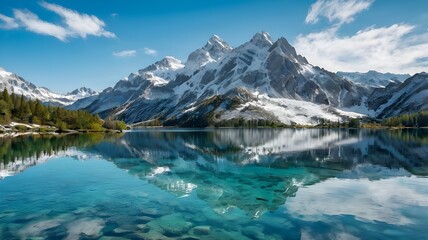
[
  {"x": 150, "y": 52},
  {"x": 32, "y": 23},
  {"x": 75, "y": 24},
  {"x": 386, "y": 49},
  {"x": 8, "y": 22},
  {"x": 342, "y": 11},
  {"x": 126, "y": 53},
  {"x": 396, "y": 48},
  {"x": 79, "y": 24}
]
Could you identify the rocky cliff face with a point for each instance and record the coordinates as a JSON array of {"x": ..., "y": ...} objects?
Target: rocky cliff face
[
  {"x": 396, "y": 99},
  {"x": 261, "y": 79}
]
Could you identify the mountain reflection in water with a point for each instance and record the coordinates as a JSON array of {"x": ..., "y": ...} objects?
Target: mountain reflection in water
[
  {"x": 216, "y": 184},
  {"x": 255, "y": 170}
]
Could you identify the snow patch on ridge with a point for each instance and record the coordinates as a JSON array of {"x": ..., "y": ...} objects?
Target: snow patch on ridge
[
  {"x": 16, "y": 84},
  {"x": 290, "y": 111}
]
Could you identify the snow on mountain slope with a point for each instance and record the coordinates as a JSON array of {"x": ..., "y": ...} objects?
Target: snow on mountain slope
[
  {"x": 396, "y": 99},
  {"x": 146, "y": 82},
  {"x": 373, "y": 78},
  {"x": 16, "y": 84},
  {"x": 149, "y": 82},
  {"x": 266, "y": 67},
  {"x": 82, "y": 92},
  {"x": 213, "y": 50},
  {"x": 290, "y": 111},
  {"x": 263, "y": 66},
  {"x": 261, "y": 79}
]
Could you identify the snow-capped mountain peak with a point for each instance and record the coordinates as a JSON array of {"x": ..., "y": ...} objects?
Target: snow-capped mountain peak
[
  {"x": 169, "y": 63},
  {"x": 373, "y": 78},
  {"x": 217, "y": 42},
  {"x": 18, "y": 85},
  {"x": 4, "y": 73},
  {"x": 284, "y": 47},
  {"x": 260, "y": 79},
  {"x": 213, "y": 51},
  {"x": 82, "y": 92},
  {"x": 158, "y": 73},
  {"x": 262, "y": 40},
  {"x": 396, "y": 99}
]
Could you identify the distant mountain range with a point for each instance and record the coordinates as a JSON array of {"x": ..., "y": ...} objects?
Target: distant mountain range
[
  {"x": 259, "y": 80},
  {"x": 373, "y": 78},
  {"x": 16, "y": 84}
]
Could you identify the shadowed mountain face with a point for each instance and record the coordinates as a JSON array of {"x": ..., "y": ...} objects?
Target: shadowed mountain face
[
  {"x": 261, "y": 79},
  {"x": 396, "y": 99},
  {"x": 255, "y": 170}
]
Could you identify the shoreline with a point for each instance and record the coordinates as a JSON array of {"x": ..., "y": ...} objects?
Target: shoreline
[
  {"x": 39, "y": 133},
  {"x": 12, "y": 133},
  {"x": 285, "y": 127}
]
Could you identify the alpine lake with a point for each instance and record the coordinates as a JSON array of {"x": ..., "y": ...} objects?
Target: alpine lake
[{"x": 216, "y": 184}]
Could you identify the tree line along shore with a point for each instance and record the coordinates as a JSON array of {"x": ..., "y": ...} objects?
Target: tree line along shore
[{"x": 18, "y": 114}]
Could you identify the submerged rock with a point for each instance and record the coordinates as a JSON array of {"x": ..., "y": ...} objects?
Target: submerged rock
[
  {"x": 144, "y": 219},
  {"x": 253, "y": 232},
  {"x": 86, "y": 226},
  {"x": 188, "y": 237},
  {"x": 151, "y": 212},
  {"x": 153, "y": 235},
  {"x": 202, "y": 230},
  {"x": 141, "y": 226},
  {"x": 171, "y": 225},
  {"x": 223, "y": 234},
  {"x": 121, "y": 230},
  {"x": 113, "y": 238},
  {"x": 36, "y": 228}
]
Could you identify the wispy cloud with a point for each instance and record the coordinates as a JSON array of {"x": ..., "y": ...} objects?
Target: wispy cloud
[
  {"x": 114, "y": 14},
  {"x": 386, "y": 49},
  {"x": 32, "y": 23},
  {"x": 79, "y": 24},
  {"x": 8, "y": 22},
  {"x": 125, "y": 53},
  {"x": 74, "y": 24},
  {"x": 342, "y": 11},
  {"x": 150, "y": 52},
  {"x": 396, "y": 48}
]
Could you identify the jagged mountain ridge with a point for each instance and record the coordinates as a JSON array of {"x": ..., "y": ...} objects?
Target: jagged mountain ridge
[
  {"x": 82, "y": 92},
  {"x": 18, "y": 85},
  {"x": 373, "y": 78},
  {"x": 395, "y": 99},
  {"x": 258, "y": 79}
]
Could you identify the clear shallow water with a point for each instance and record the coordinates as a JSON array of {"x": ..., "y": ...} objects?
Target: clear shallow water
[{"x": 216, "y": 184}]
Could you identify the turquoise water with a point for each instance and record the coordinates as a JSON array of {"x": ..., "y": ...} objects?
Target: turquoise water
[{"x": 216, "y": 184}]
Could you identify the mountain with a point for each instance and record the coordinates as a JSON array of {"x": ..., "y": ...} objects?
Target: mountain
[
  {"x": 213, "y": 50},
  {"x": 373, "y": 78},
  {"x": 82, "y": 93},
  {"x": 407, "y": 97},
  {"x": 261, "y": 79},
  {"x": 18, "y": 85}
]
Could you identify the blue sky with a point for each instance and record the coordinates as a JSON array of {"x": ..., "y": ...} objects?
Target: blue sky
[{"x": 67, "y": 44}]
